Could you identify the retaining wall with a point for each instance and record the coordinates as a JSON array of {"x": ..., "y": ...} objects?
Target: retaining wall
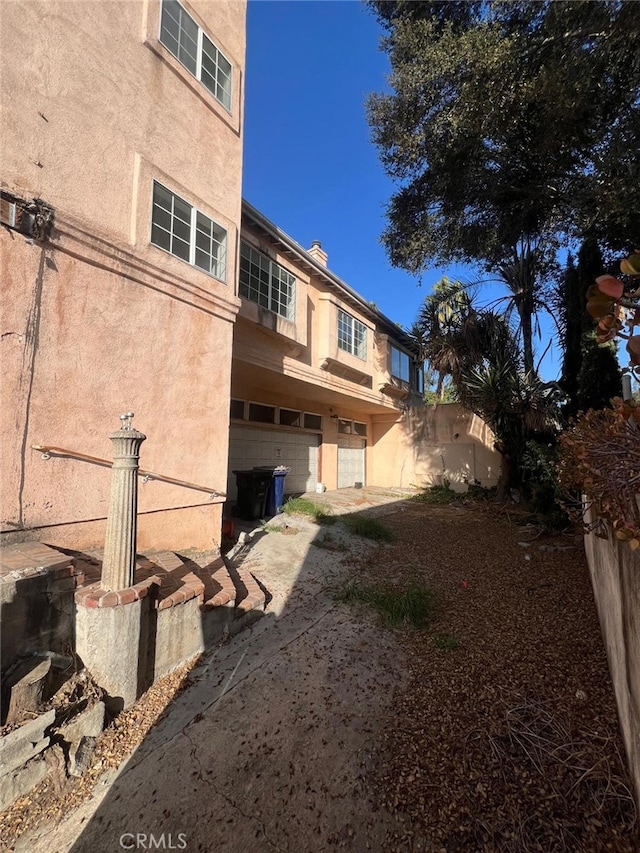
[{"x": 615, "y": 575}]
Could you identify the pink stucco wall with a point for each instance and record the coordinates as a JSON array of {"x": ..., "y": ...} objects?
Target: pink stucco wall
[
  {"x": 431, "y": 444},
  {"x": 299, "y": 365},
  {"x": 98, "y": 321}
]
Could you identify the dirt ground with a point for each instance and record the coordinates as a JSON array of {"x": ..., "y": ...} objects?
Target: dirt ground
[
  {"x": 506, "y": 737},
  {"x": 492, "y": 731}
]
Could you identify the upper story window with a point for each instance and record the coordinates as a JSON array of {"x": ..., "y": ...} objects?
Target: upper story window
[
  {"x": 352, "y": 335},
  {"x": 419, "y": 378},
  {"x": 180, "y": 34},
  {"x": 266, "y": 282},
  {"x": 400, "y": 364},
  {"x": 181, "y": 229}
]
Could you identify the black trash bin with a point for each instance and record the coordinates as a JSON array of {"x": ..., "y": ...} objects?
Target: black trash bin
[
  {"x": 253, "y": 487},
  {"x": 275, "y": 495}
]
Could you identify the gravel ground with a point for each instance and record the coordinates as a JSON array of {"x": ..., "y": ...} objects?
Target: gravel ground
[
  {"x": 505, "y": 739},
  {"x": 57, "y": 797}
]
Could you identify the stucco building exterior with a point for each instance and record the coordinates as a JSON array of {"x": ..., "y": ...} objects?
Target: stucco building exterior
[
  {"x": 323, "y": 383},
  {"x": 124, "y": 122},
  {"x": 136, "y": 280}
]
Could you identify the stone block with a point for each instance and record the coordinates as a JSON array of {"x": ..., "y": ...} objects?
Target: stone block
[
  {"x": 18, "y": 746},
  {"x": 179, "y": 636},
  {"x": 109, "y": 641},
  {"x": 80, "y": 754},
  {"x": 25, "y": 684},
  {"x": 21, "y": 781},
  {"x": 87, "y": 723}
]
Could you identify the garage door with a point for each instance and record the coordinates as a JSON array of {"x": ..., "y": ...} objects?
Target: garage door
[
  {"x": 252, "y": 446},
  {"x": 350, "y": 461}
]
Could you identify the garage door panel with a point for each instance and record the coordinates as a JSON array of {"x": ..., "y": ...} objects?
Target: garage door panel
[
  {"x": 249, "y": 447},
  {"x": 351, "y": 453}
]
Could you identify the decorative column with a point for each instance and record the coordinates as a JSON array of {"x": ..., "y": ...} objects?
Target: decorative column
[{"x": 118, "y": 567}]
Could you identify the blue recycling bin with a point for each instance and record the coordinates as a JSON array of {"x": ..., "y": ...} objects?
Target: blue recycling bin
[{"x": 275, "y": 495}]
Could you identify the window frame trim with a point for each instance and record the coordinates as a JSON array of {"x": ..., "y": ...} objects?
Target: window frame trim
[
  {"x": 273, "y": 423},
  {"x": 290, "y": 316},
  {"x": 288, "y": 427},
  {"x": 353, "y": 320},
  {"x": 198, "y": 75},
  {"x": 410, "y": 362},
  {"x": 193, "y": 219}
]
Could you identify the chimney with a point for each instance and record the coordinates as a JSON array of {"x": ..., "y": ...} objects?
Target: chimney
[{"x": 317, "y": 252}]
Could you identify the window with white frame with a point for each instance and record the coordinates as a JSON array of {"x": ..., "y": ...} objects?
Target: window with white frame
[
  {"x": 191, "y": 46},
  {"x": 352, "y": 335},
  {"x": 262, "y": 413},
  {"x": 266, "y": 282},
  {"x": 179, "y": 228},
  {"x": 400, "y": 364}
]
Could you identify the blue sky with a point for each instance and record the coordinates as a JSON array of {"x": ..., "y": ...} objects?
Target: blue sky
[{"x": 309, "y": 165}]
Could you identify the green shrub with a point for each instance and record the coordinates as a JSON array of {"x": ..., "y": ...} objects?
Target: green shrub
[
  {"x": 437, "y": 495},
  {"x": 321, "y": 513},
  {"x": 477, "y": 492},
  {"x": 541, "y": 483}
]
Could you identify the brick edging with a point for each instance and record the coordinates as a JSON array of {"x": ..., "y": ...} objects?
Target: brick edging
[
  {"x": 254, "y": 599},
  {"x": 94, "y": 596},
  {"x": 227, "y": 593}
]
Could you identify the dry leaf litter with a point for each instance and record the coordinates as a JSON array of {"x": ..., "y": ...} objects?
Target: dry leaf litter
[{"x": 506, "y": 739}]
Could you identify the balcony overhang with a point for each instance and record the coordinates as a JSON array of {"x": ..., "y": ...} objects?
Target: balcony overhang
[
  {"x": 397, "y": 392},
  {"x": 344, "y": 371}
]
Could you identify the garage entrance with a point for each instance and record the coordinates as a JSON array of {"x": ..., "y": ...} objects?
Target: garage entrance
[
  {"x": 252, "y": 446},
  {"x": 351, "y": 452}
]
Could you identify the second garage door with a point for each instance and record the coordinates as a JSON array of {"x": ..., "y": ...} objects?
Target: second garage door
[
  {"x": 351, "y": 452},
  {"x": 252, "y": 446}
]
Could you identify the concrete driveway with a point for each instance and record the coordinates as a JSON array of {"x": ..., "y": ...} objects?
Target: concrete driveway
[{"x": 271, "y": 746}]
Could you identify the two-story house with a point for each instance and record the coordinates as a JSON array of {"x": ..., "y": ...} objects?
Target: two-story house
[
  {"x": 121, "y": 177},
  {"x": 325, "y": 384},
  {"x": 128, "y": 259},
  {"x": 316, "y": 368}
]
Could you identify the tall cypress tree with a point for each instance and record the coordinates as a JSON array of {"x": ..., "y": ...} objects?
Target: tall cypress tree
[
  {"x": 590, "y": 372},
  {"x": 572, "y": 310},
  {"x": 599, "y": 377}
]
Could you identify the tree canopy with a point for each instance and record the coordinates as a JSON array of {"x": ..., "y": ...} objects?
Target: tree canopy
[{"x": 510, "y": 125}]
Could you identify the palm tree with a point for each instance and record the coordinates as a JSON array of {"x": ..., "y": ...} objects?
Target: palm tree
[
  {"x": 516, "y": 404},
  {"x": 522, "y": 274},
  {"x": 446, "y": 331},
  {"x": 479, "y": 350}
]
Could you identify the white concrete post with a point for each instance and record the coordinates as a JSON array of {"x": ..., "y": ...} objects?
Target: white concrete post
[{"x": 119, "y": 563}]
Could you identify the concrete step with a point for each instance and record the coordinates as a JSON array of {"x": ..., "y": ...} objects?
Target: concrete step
[
  {"x": 229, "y": 596},
  {"x": 37, "y": 585}
]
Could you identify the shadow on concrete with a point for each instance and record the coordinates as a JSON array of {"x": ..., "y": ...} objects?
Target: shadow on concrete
[{"x": 269, "y": 746}]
